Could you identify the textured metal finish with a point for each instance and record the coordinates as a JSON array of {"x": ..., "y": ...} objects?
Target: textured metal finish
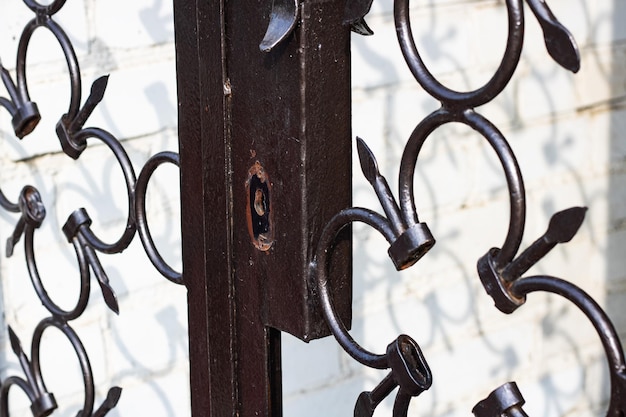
[{"x": 285, "y": 113}]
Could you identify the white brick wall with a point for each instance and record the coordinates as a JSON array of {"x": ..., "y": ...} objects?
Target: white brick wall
[{"x": 567, "y": 132}]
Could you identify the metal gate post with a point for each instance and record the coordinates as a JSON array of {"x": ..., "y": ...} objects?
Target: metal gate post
[
  {"x": 265, "y": 163},
  {"x": 195, "y": 224}
]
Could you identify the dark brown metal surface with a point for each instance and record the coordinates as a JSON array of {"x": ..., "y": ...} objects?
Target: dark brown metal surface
[
  {"x": 286, "y": 112},
  {"x": 289, "y": 111},
  {"x": 208, "y": 396}
]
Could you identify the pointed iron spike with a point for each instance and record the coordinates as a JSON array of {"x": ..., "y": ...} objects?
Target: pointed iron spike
[
  {"x": 10, "y": 247},
  {"x": 369, "y": 166},
  {"x": 98, "y": 88},
  {"x": 95, "y": 97},
  {"x": 562, "y": 228},
  {"x": 559, "y": 41},
  {"x": 562, "y": 47},
  {"x": 107, "y": 292},
  {"x": 16, "y": 346},
  {"x": 109, "y": 296},
  {"x": 564, "y": 225},
  {"x": 113, "y": 396}
]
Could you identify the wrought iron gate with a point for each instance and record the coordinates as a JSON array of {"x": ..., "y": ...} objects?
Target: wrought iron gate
[{"x": 266, "y": 202}]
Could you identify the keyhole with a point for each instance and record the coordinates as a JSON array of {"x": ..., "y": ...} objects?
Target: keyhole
[
  {"x": 259, "y": 202},
  {"x": 259, "y": 207}
]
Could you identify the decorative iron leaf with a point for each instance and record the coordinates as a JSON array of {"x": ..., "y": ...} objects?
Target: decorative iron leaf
[
  {"x": 109, "y": 295},
  {"x": 113, "y": 396},
  {"x": 95, "y": 97},
  {"x": 16, "y": 346},
  {"x": 561, "y": 45},
  {"x": 97, "y": 89},
  {"x": 369, "y": 166},
  {"x": 559, "y": 41},
  {"x": 107, "y": 292},
  {"x": 564, "y": 225}
]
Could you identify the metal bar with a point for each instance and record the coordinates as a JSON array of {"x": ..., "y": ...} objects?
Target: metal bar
[
  {"x": 204, "y": 213},
  {"x": 290, "y": 118},
  {"x": 269, "y": 129}
]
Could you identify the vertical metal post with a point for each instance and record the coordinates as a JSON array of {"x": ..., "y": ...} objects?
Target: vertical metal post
[
  {"x": 278, "y": 121},
  {"x": 201, "y": 118}
]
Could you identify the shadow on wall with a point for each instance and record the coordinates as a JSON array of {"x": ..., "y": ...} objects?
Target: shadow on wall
[
  {"x": 566, "y": 132},
  {"x": 150, "y": 337},
  {"x": 145, "y": 350}
]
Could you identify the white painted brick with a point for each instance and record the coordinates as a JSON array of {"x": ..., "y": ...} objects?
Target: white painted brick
[
  {"x": 545, "y": 89},
  {"x": 599, "y": 77},
  {"x": 606, "y": 22},
  {"x": 488, "y": 35},
  {"x": 444, "y": 47},
  {"x": 43, "y": 46},
  {"x": 547, "y": 151},
  {"x": 140, "y": 25},
  {"x": 162, "y": 396},
  {"x": 372, "y": 71},
  {"x": 567, "y": 139},
  {"x": 139, "y": 100},
  {"x": 333, "y": 400},
  {"x": 611, "y": 152},
  {"x": 96, "y": 183},
  {"x": 311, "y": 365},
  {"x": 60, "y": 367},
  {"x": 128, "y": 92},
  {"x": 152, "y": 318},
  {"x": 14, "y": 15}
]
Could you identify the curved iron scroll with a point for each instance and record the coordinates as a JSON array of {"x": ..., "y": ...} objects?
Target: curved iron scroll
[
  {"x": 74, "y": 139},
  {"x": 409, "y": 239}
]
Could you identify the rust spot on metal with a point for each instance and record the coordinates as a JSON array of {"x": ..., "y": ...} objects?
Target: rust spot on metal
[{"x": 258, "y": 207}]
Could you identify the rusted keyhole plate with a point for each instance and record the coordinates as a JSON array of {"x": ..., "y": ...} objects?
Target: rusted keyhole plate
[{"x": 259, "y": 208}]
